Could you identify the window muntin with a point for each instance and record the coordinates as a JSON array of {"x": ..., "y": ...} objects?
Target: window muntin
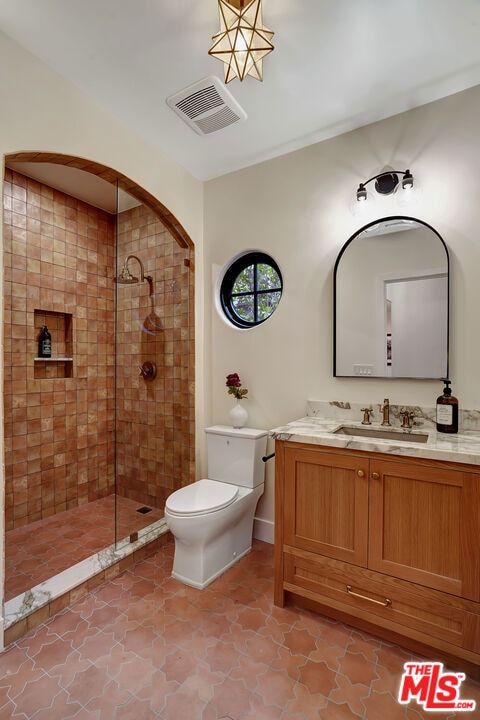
[{"x": 251, "y": 289}]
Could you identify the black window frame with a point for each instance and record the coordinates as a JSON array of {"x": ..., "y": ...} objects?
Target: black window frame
[{"x": 227, "y": 295}]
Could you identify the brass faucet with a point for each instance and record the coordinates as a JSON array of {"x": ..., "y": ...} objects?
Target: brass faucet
[
  {"x": 407, "y": 417},
  {"x": 386, "y": 412},
  {"x": 366, "y": 416}
]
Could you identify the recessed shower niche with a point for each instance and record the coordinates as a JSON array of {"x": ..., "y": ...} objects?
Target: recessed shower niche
[
  {"x": 60, "y": 364},
  {"x": 88, "y": 442}
]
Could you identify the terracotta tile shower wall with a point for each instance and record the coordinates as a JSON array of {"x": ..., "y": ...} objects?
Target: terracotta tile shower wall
[
  {"x": 59, "y": 256},
  {"x": 152, "y": 417}
]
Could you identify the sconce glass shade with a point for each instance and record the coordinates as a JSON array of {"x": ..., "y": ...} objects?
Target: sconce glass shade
[
  {"x": 361, "y": 192},
  {"x": 407, "y": 182},
  {"x": 242, "y": 42}
]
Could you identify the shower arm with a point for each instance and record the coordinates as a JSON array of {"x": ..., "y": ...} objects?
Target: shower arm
[{"x": 148, "y": 278}]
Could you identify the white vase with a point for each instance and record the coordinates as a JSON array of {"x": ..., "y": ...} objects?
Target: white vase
[{"x": 238, "y": 415}]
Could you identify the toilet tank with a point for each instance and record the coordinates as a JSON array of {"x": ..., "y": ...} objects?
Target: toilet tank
[{"x": 235, "y": 455}]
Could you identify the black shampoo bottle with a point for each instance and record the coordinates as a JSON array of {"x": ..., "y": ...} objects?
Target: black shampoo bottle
[{"x": 447, "y": 411}]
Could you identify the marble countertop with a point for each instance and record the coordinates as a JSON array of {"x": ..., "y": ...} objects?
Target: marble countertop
[{"x": 314, "y": 429}]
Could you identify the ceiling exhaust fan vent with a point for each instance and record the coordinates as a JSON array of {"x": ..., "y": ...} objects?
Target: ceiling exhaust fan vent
[{"x": 206, "y": 106}]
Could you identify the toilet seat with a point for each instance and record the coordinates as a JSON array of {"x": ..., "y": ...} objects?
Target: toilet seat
[{"x": 199, "y": 498}]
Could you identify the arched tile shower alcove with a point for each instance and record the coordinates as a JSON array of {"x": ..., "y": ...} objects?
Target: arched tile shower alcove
[{"x": 88, "y": 426}]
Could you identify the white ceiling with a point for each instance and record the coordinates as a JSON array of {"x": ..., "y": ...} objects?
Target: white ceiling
[{"x": 337, "y": 65}]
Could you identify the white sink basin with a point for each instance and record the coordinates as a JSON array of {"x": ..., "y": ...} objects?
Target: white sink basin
[{"x": 403, "y": 436}]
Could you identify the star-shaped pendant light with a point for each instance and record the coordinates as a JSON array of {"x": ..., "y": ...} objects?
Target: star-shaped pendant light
[{"x": 242, "y": 42}]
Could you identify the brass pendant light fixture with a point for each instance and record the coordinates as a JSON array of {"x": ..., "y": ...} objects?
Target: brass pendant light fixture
[{"x": 243, "y": 41}]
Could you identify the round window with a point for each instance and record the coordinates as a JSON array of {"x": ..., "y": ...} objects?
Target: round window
[{"x": 251, "y": 289}]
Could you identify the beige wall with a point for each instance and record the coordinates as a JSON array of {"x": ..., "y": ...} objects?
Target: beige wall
[{"x": 299, "y": 209}]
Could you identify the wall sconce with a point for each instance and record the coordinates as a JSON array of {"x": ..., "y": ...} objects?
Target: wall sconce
[
  {"x": 243, "y": 41},
  {"x": 386, "y": 183}
]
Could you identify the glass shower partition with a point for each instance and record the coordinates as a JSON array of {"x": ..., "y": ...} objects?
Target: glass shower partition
[{"x": 152, "y": 417}]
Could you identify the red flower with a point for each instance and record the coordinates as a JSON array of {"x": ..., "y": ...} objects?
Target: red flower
[
  {"x": 233, "y": 384},
  {"x": 233, "y": 380}
]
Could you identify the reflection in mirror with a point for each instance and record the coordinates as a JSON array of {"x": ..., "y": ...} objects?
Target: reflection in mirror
[{"x": 391, "y": 302}]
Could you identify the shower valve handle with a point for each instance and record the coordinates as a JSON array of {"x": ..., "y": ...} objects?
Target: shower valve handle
[{"x": 148, "y": 370}]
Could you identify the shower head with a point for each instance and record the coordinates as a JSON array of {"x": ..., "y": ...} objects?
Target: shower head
[{"x": 125, "y": 277}]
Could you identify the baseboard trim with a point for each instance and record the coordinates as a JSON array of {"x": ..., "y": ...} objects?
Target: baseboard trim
[{"x": 263, "y": 530}]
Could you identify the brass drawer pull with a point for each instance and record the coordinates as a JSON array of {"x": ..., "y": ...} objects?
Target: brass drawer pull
[
  {"x": 383, "y": 603},
  {"x": 360, "y": 473},
  {"x": 375, "y": 476}
]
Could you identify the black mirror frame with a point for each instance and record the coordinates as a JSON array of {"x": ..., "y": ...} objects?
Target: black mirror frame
[{"x": 337, "y": 261}]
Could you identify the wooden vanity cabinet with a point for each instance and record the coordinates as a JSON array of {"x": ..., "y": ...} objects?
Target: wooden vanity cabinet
[{"x": 388, "y": 543}]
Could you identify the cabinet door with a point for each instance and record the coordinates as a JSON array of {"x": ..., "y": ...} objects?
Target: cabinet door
[
  {"x": 425, "y": 526},
  {"x": 326, "y": 504}
]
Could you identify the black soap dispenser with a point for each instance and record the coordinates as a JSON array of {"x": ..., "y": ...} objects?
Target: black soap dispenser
[
  {"x": 447, "y": 411},
  {"x": 45, "y": 343}
]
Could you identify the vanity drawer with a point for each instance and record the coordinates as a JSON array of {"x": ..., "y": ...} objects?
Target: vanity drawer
[{"x": 430, "y": 617}]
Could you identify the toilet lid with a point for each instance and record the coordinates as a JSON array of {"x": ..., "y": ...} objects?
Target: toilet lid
[{"x": 203, "y": 496}]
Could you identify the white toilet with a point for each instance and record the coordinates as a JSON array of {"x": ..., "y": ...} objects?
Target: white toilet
[{"x": 212, "y": 519}]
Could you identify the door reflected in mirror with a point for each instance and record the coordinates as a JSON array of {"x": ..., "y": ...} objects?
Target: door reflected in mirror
[{"x": 391, "y": 290}]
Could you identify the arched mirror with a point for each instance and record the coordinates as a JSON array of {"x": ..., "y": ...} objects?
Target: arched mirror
[{"x": 391, "y": 288}]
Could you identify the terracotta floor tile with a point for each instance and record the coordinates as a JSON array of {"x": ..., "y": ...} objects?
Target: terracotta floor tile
[
  {"x": 222, "y": 657},
  {"x": 135, "y": 674},
  {"x": 250, "y": 672},
  {"x": 7, "y": 709},
  {"x": 185, "y": 704},
  {"x": 216, "y": 625},
  {"x": 177, "y": 630},
  {"x": 305, "y": 704},
  {"x": 313, "y": 622},
  {"x": 386, "y": 681},
  {"x": 357, "y": 669},
  {"x": 37, "y": 695},
  {"x": 288, "y": 662},
  {"x": 276, "y": 688},
  {"x": 383, "y": 705},
  {"x": 231, "y": 698},
  {"x": 73, "y": 535},
  {"x": 97, "y": 646},
  {"x": 299, "y": 642},
  {"x": 392, "y": 657},
  {"x": 238, "y": 636},
  {"x": 88, "y": 684},
  {"x": 146, "y": 647},
  {"x": 330, "y": 654},
  {"x": 106, "y": 704},
  {"x": 352, "y": 694},
  {"x": 317, "y": 677},
  {"x": 334, "y": 633},
  {"x": 274, "y": 628},
  {"x": 364, "y": 644},
  {"x": 16, "y": 681},
  {"x": 339, "y": 712},
  {"x": 260, "y": 712},
  {"x": 262, "y": 650},
  {"x": 61, "y": 707},
  {"x": 251, "y": 619},
  {"x": 178, "y": 666},
  {"x": 203, "y": 680},
  {"x": 471, "y": 690}
]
